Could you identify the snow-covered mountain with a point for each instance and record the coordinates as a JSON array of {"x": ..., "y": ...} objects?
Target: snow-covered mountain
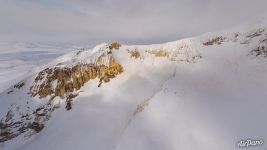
[{"x": 207, "y": 92}]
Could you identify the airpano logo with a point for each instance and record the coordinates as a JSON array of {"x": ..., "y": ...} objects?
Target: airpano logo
[{"x": 250, "y": 143}]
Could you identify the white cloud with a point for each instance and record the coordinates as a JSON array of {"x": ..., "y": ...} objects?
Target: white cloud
[{"x": 140, "y": 21}]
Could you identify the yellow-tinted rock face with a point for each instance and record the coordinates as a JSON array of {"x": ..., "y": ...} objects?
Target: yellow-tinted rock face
[
  {"x": 159, "y": 53},
  {"x": 114, "y": 45},
  {"x": 135, "y": 54},
  {"x": 63, "y": 81}
]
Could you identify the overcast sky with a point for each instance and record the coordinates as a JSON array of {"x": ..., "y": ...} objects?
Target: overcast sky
[{"x": 92, "y": 22}]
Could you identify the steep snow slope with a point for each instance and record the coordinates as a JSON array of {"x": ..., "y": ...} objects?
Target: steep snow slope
[{"x": 206, "y": 92}]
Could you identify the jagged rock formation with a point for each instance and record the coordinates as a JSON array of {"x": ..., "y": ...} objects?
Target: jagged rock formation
[
  {"x": 249, "y": 36},
  {"x": 245, "y": 38},
  {"x": 114, "y": 45},
  {"x": 159, "y": 53},
  {"x": 63, "y": 81},
  {"x": 261, "y": 50},
  {"x": 135, "y": 54},
  {"x": 255, "y": 33},
  {"x": 215, "y": 41},
  {"x": 15, "y": 122},
  {"x": 242, "y": 38},
  {"x": 182, "y": 52}
]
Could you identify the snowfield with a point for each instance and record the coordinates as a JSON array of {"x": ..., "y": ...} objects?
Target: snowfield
[
  {"x": 201, "y": 93},
  {"x": 19, "y": 59}
]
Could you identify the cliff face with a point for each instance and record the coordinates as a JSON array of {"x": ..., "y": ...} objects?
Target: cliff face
[{"x": 64, "y": 81}]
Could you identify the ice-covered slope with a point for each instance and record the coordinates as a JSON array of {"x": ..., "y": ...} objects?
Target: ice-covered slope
[{"x": 206, "y": 92}]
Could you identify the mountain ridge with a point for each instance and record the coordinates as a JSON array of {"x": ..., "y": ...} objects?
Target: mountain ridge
[{"x": 146, "y": 67}]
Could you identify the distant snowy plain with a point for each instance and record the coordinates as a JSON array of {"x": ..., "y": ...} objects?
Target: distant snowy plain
[{"x": 18, "y": 60}]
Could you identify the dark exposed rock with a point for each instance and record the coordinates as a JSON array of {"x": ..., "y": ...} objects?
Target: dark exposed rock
[
  {"x": 215, "y": 41},
  {"x": 36, "y": 126},
  {"x": 68, "y": 105},
  {"x": 9, "y": 116},
  {"x": 19, "y": 85},
  {"x": 261, "y": 49},
  {"x": 69, "y": 101},
  {"x": 11, "y": 128},
  {"x": 135, "y": 54},
  {"x": 256, "y": 33},
  {"x": 10, "y": 91},
  {"x": 71, "y": 96}
]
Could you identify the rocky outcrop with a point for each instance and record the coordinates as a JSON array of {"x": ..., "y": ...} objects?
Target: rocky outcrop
[
  {"x": 255, "y": 33},
  {"x": 64, "y": 81},
  {"x": 17, "y": 122},
  {"x": 135, "y": 54},
  {"x": 114, "y": 45},
  {"x": 261, "y": 50},
  {"x": 215, "y": 41},
  {"x": 159, "y": 53},
  {"x": 242, "y": 38},
  {"x": 182, "y": 51}
]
